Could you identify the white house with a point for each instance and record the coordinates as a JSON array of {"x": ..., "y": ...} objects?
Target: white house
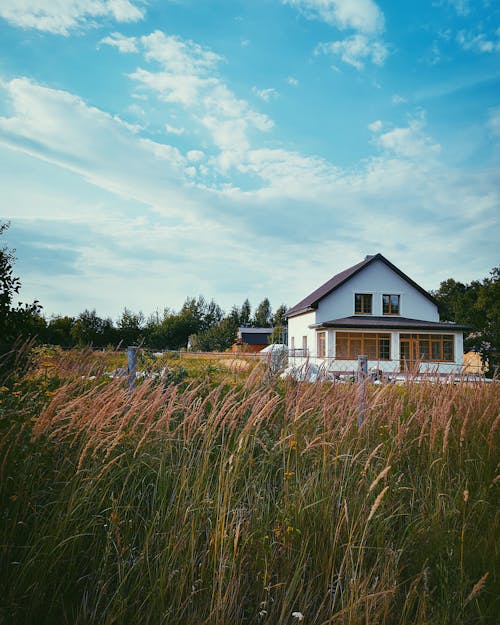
[{"x": 373, "y": 308}]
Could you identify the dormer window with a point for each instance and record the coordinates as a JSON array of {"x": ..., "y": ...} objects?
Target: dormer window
[
  {"x": 390, "y": 304},
  {"x": 363, "y": 303}
]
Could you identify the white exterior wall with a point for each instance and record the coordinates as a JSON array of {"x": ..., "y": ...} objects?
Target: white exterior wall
[
  {"x": 299, "y": 327},
  {"x": 379, "y": 280}
]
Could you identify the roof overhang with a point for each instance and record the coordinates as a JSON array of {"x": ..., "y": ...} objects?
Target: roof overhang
[{"x": 390, "y": 323}]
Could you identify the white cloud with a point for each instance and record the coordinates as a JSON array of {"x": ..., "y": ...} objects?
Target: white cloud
[
  {"x": 293, "y": 82},
  {"x": 356, "y": 50},
  {"x": 177, "y": 56},
  {"x": 62, "y": 16},
  {"x": 462, "y": 7},
  {"x": 187, "y": 76},
  {"x": 409, "y": 141},
  {"x": 397, "y": 99},
  {"x": 362, "y": 15},
  {"x": 265, "y": 94},
  {"x": 174, "y": 130},
  {"x": 479, "y": 42},
  {"x": 375, "y": 126},
  {"x": 195, "y": 156},
  {"x": 124, "y": 44}
]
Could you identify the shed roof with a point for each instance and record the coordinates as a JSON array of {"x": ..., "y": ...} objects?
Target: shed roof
[{"x": 312, "y": 300}]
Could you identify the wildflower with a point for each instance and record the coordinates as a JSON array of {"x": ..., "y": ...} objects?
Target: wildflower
[
  {"x": 3, "y": 389},
  {"x": 288, "y": 474},
  {"x": 13, "y": 497},
  {"x": 466, "y": 495},
  {"x": 298, "y": 615},
  {"x": 292, "y": 443},
  {"x": 263, "y": 613},
  {"x": 50, "y": 393}
]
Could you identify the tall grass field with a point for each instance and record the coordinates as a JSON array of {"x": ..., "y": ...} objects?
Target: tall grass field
[{"x": 219, "y": 496}]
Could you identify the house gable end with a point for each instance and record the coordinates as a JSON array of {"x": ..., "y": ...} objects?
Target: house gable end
[{"x": 312, "y": 301}]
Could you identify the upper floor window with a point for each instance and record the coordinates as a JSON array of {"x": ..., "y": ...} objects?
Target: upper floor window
[
  {"x": 363, "y": 303},
  {"x": 390, "y": 304}
]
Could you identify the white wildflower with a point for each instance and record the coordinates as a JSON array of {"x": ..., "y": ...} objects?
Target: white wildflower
[{"x": 298, "y": 615}]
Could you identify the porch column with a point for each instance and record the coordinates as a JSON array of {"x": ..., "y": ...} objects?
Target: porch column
[
  {"x": 331, "y": 344},
  {"x": 459, "y": 348},
  {"x": 395, "y": 356}
]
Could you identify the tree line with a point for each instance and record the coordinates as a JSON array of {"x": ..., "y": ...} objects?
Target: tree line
[{"x": 200, "y": 323}]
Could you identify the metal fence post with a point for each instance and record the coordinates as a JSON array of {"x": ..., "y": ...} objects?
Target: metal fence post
[
  {"x": 131, "y": 365},
  {"x": 362, "y": 378}
]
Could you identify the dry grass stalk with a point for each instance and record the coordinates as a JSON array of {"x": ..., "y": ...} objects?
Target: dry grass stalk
[
  {"x": 377, "y": 503},
  {"x": 477, "y": 588},
  {"x": 379, "y": 477}
]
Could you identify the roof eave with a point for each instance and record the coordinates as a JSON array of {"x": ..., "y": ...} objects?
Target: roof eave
[{"x": 301, "y": 311}]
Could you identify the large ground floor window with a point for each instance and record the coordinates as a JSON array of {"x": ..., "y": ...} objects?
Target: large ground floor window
[
  {"x": 350, "y": 345},
  {"x": 427, "y": 347}
]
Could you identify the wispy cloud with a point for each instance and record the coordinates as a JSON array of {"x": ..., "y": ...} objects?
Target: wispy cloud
[
  {"x": 62, "y": 17},
  {"x": 356, "y": 50},
  {"x": 292, "y": 81},
  {"x": 398, "y": 99},
  {"x": 461, "y": 7},
  {"x": 407, "y": 141},
  {"x": 479, "y": 42},
  {"x": 361, "y": 15},
  {"x": 124, "y": 44},
  {"x": 265, "y": 94}
]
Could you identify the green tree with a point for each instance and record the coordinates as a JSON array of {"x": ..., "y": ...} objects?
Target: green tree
[
  {"x": 17, "y": 320},
  {"x": 58, "y": 331},
  {"x": 279, "y": 325},
  {"x": 245, "y": 314},
  {"x": 129, "y": 328},
  {"x": 90, "y": 329},
  {"x": 263, "y": 314},
  {"x": 476, "y": 305},
  {"x": 218, "y": 338}
]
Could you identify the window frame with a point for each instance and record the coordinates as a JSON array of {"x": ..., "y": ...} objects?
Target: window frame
[
  {"x": 362, "y": 306},
  {"x": 390, "y": 305},
  {"x": 363, "y": 338},
  {"x": 429, "y": 343}
]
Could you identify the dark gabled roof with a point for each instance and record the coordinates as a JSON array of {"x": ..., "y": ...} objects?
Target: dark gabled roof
[
  {"x": 311, "y": 301},
  {"x": 390, "y": 322}
]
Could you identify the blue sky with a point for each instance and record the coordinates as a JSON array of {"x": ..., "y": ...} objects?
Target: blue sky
[{"x": 155, "y": 149}]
